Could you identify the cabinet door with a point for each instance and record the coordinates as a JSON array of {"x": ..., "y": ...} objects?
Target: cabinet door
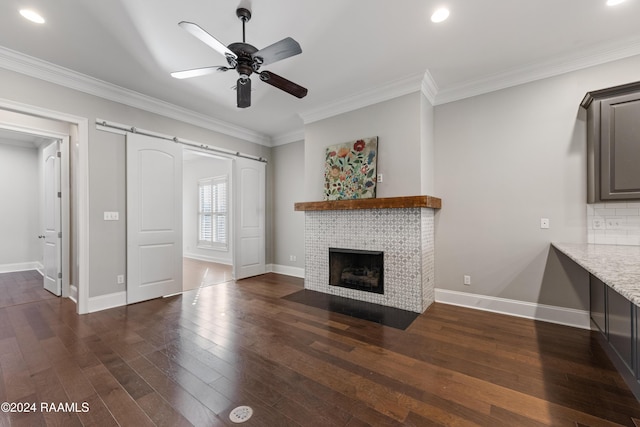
[
  {"x": 620, "y": 147},
  {"x": 597, "y": 293},
  {"x": 619, "y": 322}
]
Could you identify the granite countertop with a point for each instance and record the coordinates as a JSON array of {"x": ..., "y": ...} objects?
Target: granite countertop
[{"x": 616, "y": 265}]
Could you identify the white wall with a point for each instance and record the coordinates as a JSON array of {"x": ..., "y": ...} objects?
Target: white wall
[
  {"x": 288, "y": 164},
  {"x": 396, "y": 123},
  {"x": 20, "y": 206},
  {"x": 195, "y": 170},
  {"x": 503, "y": 161}
]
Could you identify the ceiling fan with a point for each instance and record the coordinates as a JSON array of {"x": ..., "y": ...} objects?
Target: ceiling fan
[{"x": 245, "y": 59}]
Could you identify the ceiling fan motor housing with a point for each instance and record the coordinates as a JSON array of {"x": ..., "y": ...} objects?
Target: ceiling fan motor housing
[
  {"x": 245, "y": 64},
  {"x": 243, "y": 13}
]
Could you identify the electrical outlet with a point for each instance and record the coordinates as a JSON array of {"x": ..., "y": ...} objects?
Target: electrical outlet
[
  {"x": 598, "y": 224},
  {"x": 292, "y": 257},
  {"x": 120, "y": 279},
  {"x": 467, "y": 280},
  {"x": 614, "y": 223},
  {"x": 379, "y": 178}
]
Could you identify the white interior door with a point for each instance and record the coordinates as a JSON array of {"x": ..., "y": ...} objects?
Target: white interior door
[
  {"x": 249, "y": 188},
  {"x": 51, "y": 254},
  {"x": 154, "y": 218}
]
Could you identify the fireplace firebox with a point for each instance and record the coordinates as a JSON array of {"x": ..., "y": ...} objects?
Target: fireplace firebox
[{"x": 357, "y": 269}]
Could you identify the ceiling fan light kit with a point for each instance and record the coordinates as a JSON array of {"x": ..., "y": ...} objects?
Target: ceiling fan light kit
[{"x": 246, "y": 60}]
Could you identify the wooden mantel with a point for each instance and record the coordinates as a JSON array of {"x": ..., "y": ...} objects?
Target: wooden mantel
[{"x": 382, "y": 203}]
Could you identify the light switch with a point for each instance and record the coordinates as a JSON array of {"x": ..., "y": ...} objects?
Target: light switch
[{"x": 111, "y": 216}]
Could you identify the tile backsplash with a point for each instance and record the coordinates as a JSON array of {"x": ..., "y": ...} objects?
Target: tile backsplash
[{"x": 614, "y": 223}]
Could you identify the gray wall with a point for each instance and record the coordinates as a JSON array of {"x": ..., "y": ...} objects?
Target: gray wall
[
  {"x": 288, "y": 164},
  {"x": 106, "y": 164},
  {"x": 193, "y": 171},
  {"x": 427, "y": 148},
  {"x": 20, "y": 206},
  {"x": 396, "y": 123},
  {"x": 503, "y": 161},
  {"x": 500, "y": 162}
]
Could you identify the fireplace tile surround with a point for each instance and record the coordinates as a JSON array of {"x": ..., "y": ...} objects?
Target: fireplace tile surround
[{"x": 404, "y": 234}]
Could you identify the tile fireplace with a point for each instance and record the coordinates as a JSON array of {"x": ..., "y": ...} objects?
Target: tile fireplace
[{"x": 399, "y": 231}]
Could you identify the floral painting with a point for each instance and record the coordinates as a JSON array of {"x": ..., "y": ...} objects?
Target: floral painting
[{"x": 350, "y": 170}]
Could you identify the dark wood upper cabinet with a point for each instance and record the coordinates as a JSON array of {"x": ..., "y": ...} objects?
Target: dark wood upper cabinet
[{"x": 613, "y": 143}]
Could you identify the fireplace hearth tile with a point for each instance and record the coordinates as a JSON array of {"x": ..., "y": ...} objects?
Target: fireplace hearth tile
[{"x": 387, "y": 316}]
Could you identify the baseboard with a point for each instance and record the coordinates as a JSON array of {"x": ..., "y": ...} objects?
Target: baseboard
[
  {"x": 104, "y": 302},
  {"x": 542, "y": 312},
  {"x": 40, "y": 268},
  {"x": 73, "y": 293},
  {"x": 286, "y": 270},
  {"x": 21, "y": 266},
  {"x": 204, "y": 258}
]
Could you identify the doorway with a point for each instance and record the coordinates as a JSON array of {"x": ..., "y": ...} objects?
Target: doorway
[
  {"x": 30, "y": 182},
  {"x": 206, "y": 215}
]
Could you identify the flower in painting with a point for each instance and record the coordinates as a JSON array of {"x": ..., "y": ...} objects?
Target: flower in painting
[
  {"x": 364, "y": 168},
  {"x": 343, "y": 151},
  {"x": 331, "y": 154},
  {"x": 335, "y": 172},
  {"x": 369, "y": 184},
  {"x": 359, "y": 145},
  {"x": 343, "y": 177}
]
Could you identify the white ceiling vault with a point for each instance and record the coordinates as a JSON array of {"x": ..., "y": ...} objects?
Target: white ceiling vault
[{"x": 355, "y": 52}]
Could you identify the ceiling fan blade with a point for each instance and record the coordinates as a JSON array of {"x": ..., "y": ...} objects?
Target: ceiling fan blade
[
  {"x": 283, "y": 84},
  {"x": 243, "y": 91},
  {"x": 196, "y": 72},
  {"x": 196, "y": 31},
  {"x": 278, "y": 51}
]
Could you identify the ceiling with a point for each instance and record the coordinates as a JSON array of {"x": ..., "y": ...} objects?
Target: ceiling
[
  {"x": 353, "y": 51},
  {"x": 22, "y": 139}
]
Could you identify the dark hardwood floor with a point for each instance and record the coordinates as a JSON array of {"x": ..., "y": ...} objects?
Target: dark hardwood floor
[
  {"x": 21, "y": 287},
  {"x": 190, "y": 359},
  {"x": 199, "y": 274}
]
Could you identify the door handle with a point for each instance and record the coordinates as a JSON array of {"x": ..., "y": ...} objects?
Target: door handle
[{"x": 41, "y": 237}]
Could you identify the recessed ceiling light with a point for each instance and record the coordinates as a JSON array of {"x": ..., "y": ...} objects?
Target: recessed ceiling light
[
  {"x": 440, "y": 15},
  {"x": 614, "y": 2},
  {"x": 32, "y": 16}
]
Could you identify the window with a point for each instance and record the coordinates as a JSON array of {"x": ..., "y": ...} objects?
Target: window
[{"x": 212, "y": 212}]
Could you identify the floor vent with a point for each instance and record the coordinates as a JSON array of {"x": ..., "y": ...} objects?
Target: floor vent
[{"x": 240, "y": 414}]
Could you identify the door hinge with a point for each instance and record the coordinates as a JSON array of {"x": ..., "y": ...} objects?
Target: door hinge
[
  {"x": 59, "y": 275},
  {"x": 59, "y": 234},
  {"x": 59, "y": 154},
  {"x": 59, "y": 194}
]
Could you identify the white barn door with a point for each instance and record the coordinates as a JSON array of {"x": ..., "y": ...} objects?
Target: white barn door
[
  {"x": 249, "y": 188},
  {"x": 154, "y": 218}
]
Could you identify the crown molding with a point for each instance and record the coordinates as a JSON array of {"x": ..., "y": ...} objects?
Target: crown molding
[
  {"x": 429, "y": 88},
  {"x": 287, "y": 138},
  {"x": 586, "y": 58},
  {"x": 364, "y": 99},
  {"x": 43, "y": 70}
]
